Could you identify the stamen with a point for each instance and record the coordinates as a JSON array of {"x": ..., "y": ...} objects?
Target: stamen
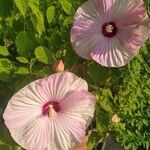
[
  {"x": 52, "y": 113},
  {"x": 50, "y": 109},
  {"x": 109, "y": 29}
]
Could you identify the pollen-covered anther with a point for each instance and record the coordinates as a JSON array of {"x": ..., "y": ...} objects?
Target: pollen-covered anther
[
  {"x": 109, "y": 28},
  {"x": 52, "y": 113}
]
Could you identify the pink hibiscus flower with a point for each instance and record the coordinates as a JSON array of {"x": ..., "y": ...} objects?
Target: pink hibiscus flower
[
  {"x": 110, "y": 32},
  {"x": 50, "y": 113}
]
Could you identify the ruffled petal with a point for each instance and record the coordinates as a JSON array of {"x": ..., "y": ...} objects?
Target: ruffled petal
[
  {"x": 86, "y": 30},
  {"x": 92, "y": 14},
  {"x": 36, "y": 134},
  {"x": 69, "y": 131},
  {"x": 79, "y": 105},
  {"x": 128, "y": 12},
  {"x": 144, "y": 27},
  {"x": 84, "y": 38},
  {"x": 59, "y": 84},
  {"x": 25, "y": 102},
  {"x": 132, "y": 37},
  {"x": 110, "y": 53},
  {"x": 77, "y": 110}
]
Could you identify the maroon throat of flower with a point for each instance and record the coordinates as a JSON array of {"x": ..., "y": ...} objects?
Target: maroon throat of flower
[
  {"x": 50, "y": 109},
  {"x": 109, "y": 29}
]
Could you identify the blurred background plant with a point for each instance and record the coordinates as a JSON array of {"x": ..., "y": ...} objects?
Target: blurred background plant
[{"x": 34, "y": 34}]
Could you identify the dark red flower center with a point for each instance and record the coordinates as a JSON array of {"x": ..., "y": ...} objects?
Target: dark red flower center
[
  {"x": 109, "y": 29},
  {"x": 46, "y": 107}
]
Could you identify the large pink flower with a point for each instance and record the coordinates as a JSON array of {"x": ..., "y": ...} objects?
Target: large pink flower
[
  {"x": 110, "y": 32},
  {"x": 50, "y": 113}
]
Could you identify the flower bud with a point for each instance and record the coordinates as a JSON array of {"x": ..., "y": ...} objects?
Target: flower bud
[
  {"x": 115, "y": 118},
  {"x": 58, "y": 66}
]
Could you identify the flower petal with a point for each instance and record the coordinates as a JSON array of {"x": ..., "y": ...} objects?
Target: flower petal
[
  {"x": 144, "y": 28},
  {"x": 68, "y": 132},
  {"x": 92, "y": 14},
  {"x": 79, "y": 104},
  {"x": 84, "y": 36},
  {"x": 110, "y": 53},
  {"x": 59, "y": 84},
  {"x": 86, "y": 30},
  {"x": 36, "y": 134},
  {"x": 128, "y": 12},
  {"x": 25, "y": 102},
  {"x": 132, "y": 37}
]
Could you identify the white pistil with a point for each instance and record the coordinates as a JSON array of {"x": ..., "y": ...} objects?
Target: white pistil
[
  {"x": 109, "y": 28},
  {"x": 52, "y": 113}
]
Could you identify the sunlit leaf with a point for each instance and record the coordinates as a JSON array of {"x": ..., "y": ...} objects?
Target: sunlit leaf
[
  {"x": 22, "y": 6},
  {"x": 67, "y": 6},
  {"x": 4, "y": 51},
  {"x": 22, "y": 71},
  {"x": 22, "y": 60},
  {"x": 50, "y": 13},
  {"x": 26, "y": 43},
  {"x": 44, "y": 55}
]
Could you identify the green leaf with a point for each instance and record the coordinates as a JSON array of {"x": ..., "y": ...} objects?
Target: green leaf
[
  {"x": 37, "y": 2},
  {"x": 67, "y": 6},
  {"x": 6, "y": 7},
  {"x": 100, "y": 75},
  {"x": 22, "y": 6},
  {"x": 32, "y": 62},
  {"x": 68, "y": 21},
  {"x": 18, "y": 148},
  {"x": 4, "y": 147},
  {"x": 37, "y": 18},
  {"x": 106, "y": 105},
  {"x": 105, "y": 102},
  {"x": 102, "y": 120},
  {"x": 26, "y": 43},
  {"x": 50, "y": 14},
  {"x": 22, "y": 60},
  {"x": 4, "y": 51},
  {"x": 44, "y": 55},
  {"x": 5, "y": 65},
  {"x": 93, "y": 140},
  {"x": 22, "y": 71},
  {"x": 5, "y": 138},
  {"x": 70, "y": 56},
  {"x": 147, "y": 145}
]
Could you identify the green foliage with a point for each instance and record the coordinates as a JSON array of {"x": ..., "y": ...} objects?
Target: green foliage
[
  {"x": 67, "y": 6},
  {"x": 50, "y": 13},
  {"x": 5, "y": 8},
  {"x": 44, "y": 55},
  {"x": 22, "y": 60},
  {"x": 37, "y": 17},
  {"x": 6, "y": 68},
  {"x": 22, "y": 71},
  {"x": 93, "y": 140},
  {"x": 22, "y": 6},
  {"x": 100, "y": 76},
  {"x": 26, "y": 43},
  {"x": 4, "y": 51},
  {"x": 35, "y": 33},
  {"x": 6, "y": 142}
]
